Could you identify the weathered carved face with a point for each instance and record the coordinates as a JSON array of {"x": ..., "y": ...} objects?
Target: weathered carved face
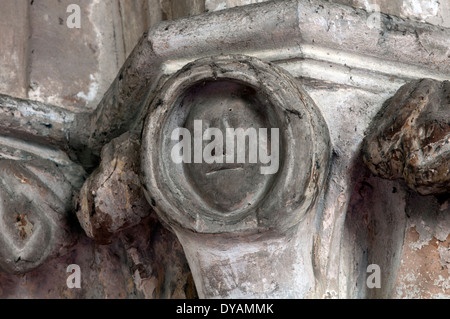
[
  {"x": 228, "y": 184},
  {"x": 233, "y": 144},
  {"x": 35, "y": 199}
]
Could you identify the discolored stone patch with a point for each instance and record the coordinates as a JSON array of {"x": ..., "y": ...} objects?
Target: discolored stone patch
[
  {"x": 424, "y": 272},
  {"x": 24, "y": 226},
  {"x": 112, "y": 200}
]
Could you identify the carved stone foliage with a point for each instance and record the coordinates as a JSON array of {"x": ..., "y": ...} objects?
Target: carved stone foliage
[
  {"x": 410, "y": 137},
  {"x": 35, "y": 204}
]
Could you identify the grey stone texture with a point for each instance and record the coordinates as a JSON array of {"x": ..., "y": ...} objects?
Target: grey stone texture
[{"x": 75, "y": 101}]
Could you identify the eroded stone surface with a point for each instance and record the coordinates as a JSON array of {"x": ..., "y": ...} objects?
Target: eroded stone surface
[
  {"x": 303, "y": 147},
  {"x": 410, "y": 137},
  {"x": 112, "y": 200},
  {"x": 146, "y": 263},
  {"x": 112, "y": 205},
  {"x": 230, "y": 217},
  {"x": 104, "y": 275},
  {"x": 374, "y": 232},
  {"x": 45, "y": 60},
  {"x": 425, "y": 261},
  {"x": 347, "y": 107},
  {"x": 431, "y": 11},
  {"x": 157, "y": 262},
  {"x": 14, "y": 48},
  {"x": 35, "y": 203}
]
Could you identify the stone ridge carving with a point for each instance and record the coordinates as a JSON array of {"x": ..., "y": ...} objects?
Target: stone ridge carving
[{"x": 410, "y": 137}]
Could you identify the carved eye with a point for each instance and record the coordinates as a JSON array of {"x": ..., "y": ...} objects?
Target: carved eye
[{"x": 35, "y": 199}]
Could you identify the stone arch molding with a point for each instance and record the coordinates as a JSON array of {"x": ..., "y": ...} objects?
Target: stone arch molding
[{"x": 287, "y": 69}]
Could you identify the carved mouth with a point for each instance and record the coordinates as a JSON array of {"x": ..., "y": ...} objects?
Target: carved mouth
[{"x": 225, "y": 168}]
